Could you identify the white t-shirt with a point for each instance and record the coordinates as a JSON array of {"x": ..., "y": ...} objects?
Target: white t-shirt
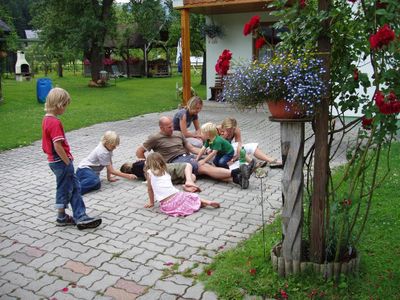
[
  {"x": 162, "y": 186},
  {"x": 97, "y": 159}
]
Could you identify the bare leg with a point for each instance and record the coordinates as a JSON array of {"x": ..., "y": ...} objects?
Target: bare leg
[
  {"x": 205, "y": 203},
  {"x": 262, "y": 156},
  {"x": 190, "y": 178},
  {"x": 215, "y": 172}
]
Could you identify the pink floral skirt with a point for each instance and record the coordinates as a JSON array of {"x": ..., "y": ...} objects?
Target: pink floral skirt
[{"x": 181, "y": 204}]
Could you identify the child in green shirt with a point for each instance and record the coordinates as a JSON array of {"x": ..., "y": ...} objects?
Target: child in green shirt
[{"x": 221, "y": 150}]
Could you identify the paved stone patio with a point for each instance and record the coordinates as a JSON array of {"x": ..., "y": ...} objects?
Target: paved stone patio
[{"x": 125, "y": 257}]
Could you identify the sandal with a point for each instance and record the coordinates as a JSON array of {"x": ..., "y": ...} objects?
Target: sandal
[
  {"x": 261, "y": 164},
  {"x": 275, "y": 164}
]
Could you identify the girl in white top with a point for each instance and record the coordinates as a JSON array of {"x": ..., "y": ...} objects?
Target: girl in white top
[{"x": 160, "y": 188}]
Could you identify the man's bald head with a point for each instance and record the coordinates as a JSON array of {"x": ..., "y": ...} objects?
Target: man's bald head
[{"x": 166, "y": 125}]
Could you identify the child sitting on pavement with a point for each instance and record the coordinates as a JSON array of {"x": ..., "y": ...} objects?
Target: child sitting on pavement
[
  {"x": 221, "y": 150},
  {"x": 180, "y": 173},
  {"x": 231, "y": 132},
  {"x": 55, "y": 145},
  {"x": 89, "y": 169},
  {"x": 160, "y": 188}
]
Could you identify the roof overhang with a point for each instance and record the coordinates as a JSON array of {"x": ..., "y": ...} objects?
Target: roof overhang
[{"x": 214, "y": 7}]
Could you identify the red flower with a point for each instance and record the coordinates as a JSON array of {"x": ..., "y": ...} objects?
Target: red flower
[
  {"x": 355, "y": 74},
  {"x": 252, "y": 271},
  {"x": 254, "y": 21},
  {"x": 302, "y": 3},
  {"x": 387, "y": 108},
  {"x": 260, "y": 42},
  {"x": 346, "y": 202},
  {"x": 251, "y": 25},
  {"x": 284, "y": 295},
  {"x": 64, "y": 290},
  {"x": 366, "y": 122},
  {"x": 382, "y": 37},
  {"x": 223, "y": 63},
  {"x": 209, "y": 272},
  {"x": 247, "y": 29}
]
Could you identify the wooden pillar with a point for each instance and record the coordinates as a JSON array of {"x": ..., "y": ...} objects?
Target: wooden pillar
[
  {"x": 185, "y": 33},
  {"x": 292, "y": 140},
  {"x": 321, "y": 157}
]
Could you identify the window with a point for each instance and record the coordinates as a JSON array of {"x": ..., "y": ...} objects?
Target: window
[{"x": 271, "y": 35}]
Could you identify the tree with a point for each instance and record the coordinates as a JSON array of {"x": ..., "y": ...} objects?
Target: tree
[
  {"x": 75, "y": 24},
  {"x": 150, "y": 18}
]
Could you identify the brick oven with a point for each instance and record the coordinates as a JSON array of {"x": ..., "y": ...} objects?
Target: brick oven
[{"x": 22, "y": 69}]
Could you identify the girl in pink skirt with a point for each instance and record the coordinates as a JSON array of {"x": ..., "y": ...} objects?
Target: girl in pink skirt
[{"x": 160, "y": 188}]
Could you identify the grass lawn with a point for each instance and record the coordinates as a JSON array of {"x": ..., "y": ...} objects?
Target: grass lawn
[
  {"x": 244, "y": 270},
  {"x": 21, "y": 114}
]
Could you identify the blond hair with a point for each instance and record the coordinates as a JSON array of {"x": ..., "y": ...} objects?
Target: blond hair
[
  {"x": 209, "y": 128},
  {"x": 156, "y": 163},
  {"x": 57, "y": 98},
  {"x": 193, "y": 102},
  {"x": 110, "y": 138},
  {"x": 229, "y": 123}
]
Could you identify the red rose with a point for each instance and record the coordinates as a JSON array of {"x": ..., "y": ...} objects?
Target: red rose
[
  {"x": 355, "y": 74},
  {"x": 284, "y": 295},
  {"x": 223, "y": 62},
  {"x": 366, "y": 122},
  {"x": 246, "y": 29},
  {"x": 260, "y": 42},
  {"x": 387, "y": 108},
  {"x": 382, "y": 37},
  {"x": 254, "y": 21},
  {"x": 302, "y": 3}
]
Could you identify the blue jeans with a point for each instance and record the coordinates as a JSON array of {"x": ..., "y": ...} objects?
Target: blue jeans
[
  {"x": 68, "y": 189},
  {"x": 221, "y": 160},
  {"x": 88, "y": 179}
]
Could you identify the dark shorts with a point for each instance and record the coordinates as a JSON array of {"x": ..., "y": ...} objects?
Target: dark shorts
[{"x": 187, "y": 158}]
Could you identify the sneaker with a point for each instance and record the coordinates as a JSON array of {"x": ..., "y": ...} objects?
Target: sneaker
[
  {"x": 67, "y": 220},
  {"x": 88, "y": 222},
  {"x": 244, "y": 182},
  {"x": 244, "y": 176},
  {"x": 261, "y": 164},
  {"x": 245, "y": 171},
  {"x": 252, "y": 166}
]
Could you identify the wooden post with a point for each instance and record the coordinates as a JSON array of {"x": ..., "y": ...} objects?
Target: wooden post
[
  {"x": 321, "y": 158},
  {"x": 292, "y": 137},
  {"x": 185, "y": 32}
]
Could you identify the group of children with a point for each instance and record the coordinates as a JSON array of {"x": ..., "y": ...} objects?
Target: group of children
[{"x": 160, "y": 176}]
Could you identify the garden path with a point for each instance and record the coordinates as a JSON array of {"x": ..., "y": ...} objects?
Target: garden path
[{"x": 126, "y": 257}]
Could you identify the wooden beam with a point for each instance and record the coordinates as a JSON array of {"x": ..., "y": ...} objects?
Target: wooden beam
[
  {"x": 185, "y": 33},
  {"x": 321, "y": 158}
]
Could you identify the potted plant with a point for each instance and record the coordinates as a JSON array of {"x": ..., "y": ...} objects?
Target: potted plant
[{"x": 290, "y": 83}]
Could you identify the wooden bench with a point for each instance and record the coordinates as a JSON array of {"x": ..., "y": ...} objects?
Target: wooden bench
[{"x": 216, "y": 90}]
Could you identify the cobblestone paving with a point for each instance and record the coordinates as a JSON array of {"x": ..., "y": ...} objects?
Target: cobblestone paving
[{"x": 126, "y": 257}]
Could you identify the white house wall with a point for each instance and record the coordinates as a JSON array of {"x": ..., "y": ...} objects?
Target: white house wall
[{"x": 234, "y": 40}]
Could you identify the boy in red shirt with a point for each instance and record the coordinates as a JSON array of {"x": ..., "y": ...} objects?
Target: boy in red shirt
[{"x": 55, "y": 145}]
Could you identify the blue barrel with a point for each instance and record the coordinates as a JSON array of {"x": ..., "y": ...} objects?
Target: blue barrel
[{"x": 43, "y": 87}]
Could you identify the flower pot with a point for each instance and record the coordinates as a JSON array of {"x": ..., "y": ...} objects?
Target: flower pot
[{"x": 284, "y": 110}]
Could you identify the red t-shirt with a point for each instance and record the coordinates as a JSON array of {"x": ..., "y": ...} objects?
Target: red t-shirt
[{"x": 53, "y": 131}]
